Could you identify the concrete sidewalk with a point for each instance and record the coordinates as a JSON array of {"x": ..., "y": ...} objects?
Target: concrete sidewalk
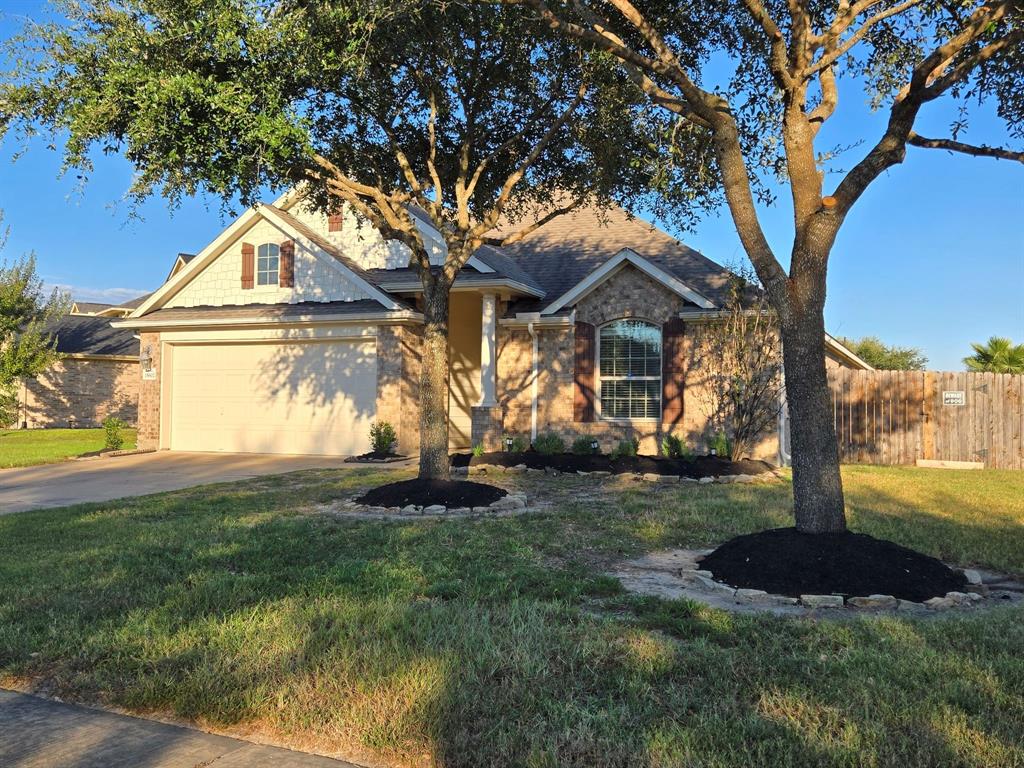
[
  {"x": 37, "y": 733},
  {"x": 75, "y": 482}
]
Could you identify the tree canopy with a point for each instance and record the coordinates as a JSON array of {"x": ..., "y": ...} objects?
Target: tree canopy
[
  {"x": 997, "y": 355},
  {"x": 887, "y": 357}
]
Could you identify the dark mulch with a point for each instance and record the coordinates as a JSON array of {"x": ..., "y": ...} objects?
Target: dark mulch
[
  {"x": 374, "y": 457},
  {"x": 785, "y": 562},
  {"x": 450, "y": 493},
  {"x": 697, "y": 467}
]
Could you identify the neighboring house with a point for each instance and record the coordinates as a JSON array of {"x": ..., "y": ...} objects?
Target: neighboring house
[
  {"x": 293, "y": 331},
  {"x": 96, "y": 377}
]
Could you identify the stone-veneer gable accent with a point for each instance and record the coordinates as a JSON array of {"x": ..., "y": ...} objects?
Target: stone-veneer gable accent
[
  {"x": 77, "y": 392},
  {"x": 628, "y": 293}
]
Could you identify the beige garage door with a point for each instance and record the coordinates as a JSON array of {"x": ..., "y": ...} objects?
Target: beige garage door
[{"x": 304, "y": 398}]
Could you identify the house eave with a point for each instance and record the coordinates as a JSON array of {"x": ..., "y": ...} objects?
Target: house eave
[
  {"x": 503, "y": 284},
  {"x": 378, "y": 318}
]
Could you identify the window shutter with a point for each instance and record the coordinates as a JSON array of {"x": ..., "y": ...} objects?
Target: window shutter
[
  {"x": 673, "y": 370},
  {"x": 248, "y": 265},
  {"x": 583, "y": 400},
  {"x": 286, "y": 267}
]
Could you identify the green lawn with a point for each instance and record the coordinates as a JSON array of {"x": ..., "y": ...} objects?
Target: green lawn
[
  {"x": 25, "y": 447},
  {"x": 500, "y": 642}
]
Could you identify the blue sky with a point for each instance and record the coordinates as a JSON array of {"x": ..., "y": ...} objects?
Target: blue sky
[{"x": 932, "y": 256}]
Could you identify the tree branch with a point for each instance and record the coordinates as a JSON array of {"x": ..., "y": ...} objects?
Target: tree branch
[
  {"x": 838, "y": 50},
  {"x": 1000, "y": 153}
]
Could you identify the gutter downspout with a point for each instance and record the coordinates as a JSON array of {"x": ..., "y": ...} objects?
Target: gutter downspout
[{"x": 533, "y": 383}]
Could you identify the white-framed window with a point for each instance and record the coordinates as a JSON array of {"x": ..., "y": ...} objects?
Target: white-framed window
[
  {"x": 268, "y": 264},
  {"x": 629, "y": 370}
]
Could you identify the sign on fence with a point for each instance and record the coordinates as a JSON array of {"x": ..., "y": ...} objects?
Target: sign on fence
[{"x": 954, "y": 397}]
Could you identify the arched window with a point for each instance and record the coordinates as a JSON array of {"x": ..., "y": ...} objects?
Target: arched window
[
  {"x": 629, "y": 370},
  {"x": 268, "y": 262}
]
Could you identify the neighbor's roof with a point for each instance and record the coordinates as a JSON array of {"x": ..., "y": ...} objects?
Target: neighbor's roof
[
  {"x": 90, "y": 335},
  {"x": 91, "y": 307}
]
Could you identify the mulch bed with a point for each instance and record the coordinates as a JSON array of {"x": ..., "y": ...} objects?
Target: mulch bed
[
  {"x": 424, "y": 493},
  {"x": 785, "y": 562},
  {"x": 697, "y": 467},
  {"x": 373, "y": 457}
]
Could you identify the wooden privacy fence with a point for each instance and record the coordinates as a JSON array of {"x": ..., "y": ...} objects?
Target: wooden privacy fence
[{"x": 898, "y": 417}]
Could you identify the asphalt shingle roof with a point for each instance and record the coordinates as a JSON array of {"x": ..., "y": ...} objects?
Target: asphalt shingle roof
[
  {"x": 271, "y": 311},
  {"x": 86, "y": 335}
]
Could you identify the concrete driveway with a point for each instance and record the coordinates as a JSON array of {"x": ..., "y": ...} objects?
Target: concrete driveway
[{"x": 74, "y": 482}]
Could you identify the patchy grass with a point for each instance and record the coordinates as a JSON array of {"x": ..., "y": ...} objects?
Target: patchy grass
[
  {"x": 500, "y": 642},
  {"x": 26, "y": 447}
]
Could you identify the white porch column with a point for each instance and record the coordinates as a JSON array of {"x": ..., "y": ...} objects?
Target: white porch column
[{"x": 488, "y": 346}]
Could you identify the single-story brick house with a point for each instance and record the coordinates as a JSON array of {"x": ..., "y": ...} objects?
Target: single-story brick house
[
  {"x": 96, "y": 377},
  {"x": 292, "y": 331}
]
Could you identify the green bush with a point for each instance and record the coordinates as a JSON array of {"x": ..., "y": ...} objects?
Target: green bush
[
  {"x": 519, "y": 444},
  {"x": 549, "y": 444},
  {"x": 112, "y": 427},
  {"x": 581, "y": 445},
  {"x": 671, "y": 446},
  {"x": 720, "y": 444},
  {"x": 382, "y": 437},
  {"x": 478, "y": 450},
  {"x": 626, "y": 449}
]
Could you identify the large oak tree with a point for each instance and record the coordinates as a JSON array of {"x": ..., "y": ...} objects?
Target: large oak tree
[
  {"x": 759, "y": 79},
  {"x": 474, "y": 114}
]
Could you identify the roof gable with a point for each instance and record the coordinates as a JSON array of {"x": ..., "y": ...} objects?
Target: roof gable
[
  {"x": 212, "y": 277},
  {"x": 626, "y": 257}
]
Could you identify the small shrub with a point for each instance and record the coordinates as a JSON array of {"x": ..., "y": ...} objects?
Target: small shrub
[
  {"x": 382, "y": 437},
  {"x": 549, "y": 444},
  {"x": 112, "y": 427},
  {"x": 478, "y": 450},
  {"x": 581, "y": 445},
  {"x": 626, "y": 449},
  {"x": 519, "y": 444},
  {"x": 671, "y": 446},
  {"x": 720, "y": 444}
]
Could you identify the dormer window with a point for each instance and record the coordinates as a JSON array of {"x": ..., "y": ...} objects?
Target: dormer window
[{"x": 268, "y": 264}]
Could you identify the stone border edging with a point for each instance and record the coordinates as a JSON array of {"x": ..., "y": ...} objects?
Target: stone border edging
[
  {"x": 514, "y": 503},
  {"x": 650, "y": 477},
  {"x": 677, "y": 573}
]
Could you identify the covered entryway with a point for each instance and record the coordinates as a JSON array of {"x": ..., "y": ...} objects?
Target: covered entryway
[{"x": 310, "y": 397}]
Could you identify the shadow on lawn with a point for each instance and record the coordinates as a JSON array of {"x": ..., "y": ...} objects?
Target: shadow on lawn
[{"x": 460, "y": 644}]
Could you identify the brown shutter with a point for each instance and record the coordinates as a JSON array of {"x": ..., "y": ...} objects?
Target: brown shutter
[
  {"x": 286, "y": 269},
  {"x": 334, "y": 222},
  {"x": 583, "y": 400},
  {"x": 673, "y": 370},
  {"x": 248, "y": 265}
]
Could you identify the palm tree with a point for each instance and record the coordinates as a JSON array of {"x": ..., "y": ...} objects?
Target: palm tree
[{"x": 998, "y": 355}]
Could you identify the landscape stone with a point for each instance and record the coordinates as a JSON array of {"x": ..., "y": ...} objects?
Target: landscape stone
[
  {"x": 751, "y": 595},
  {"x": 958, "y": 597},
  {"x": 535, "y": 471},
  {"x": 706, "y": 480},
  {"x": 435, "y": 509},
  {"x": 517, "y": 469},
  {"x": 666, "y": 479},
  {"x": 972, "y": 576},
  {"x": 460, "y": 511},
  {"x": 939, "y": 603},
  {"x": 410, "y": 509},
  {"x": 910, "y": 606},
  {"x": 551, "y": 471},
  {"x": 822, "y": 601},
  {"x": 873, "y": 601},
  {"x": 715, "y": 586},
  {"x": 652, "y": 477}
]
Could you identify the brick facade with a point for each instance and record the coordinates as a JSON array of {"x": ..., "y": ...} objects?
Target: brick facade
[
  {"x": 149, "y": 395},
  {"x": 629, "y": 293},
  {"x": 80, "y": 392},
  {"x": 398, "y": 377}
]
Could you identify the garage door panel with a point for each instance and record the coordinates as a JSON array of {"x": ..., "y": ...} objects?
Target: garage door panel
[{"x": 313, "y": 397}]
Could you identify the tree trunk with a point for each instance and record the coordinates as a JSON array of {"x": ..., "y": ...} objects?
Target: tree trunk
[
  {"x": 817, "y": 484},
  {"x": 434, "y": 463}
]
